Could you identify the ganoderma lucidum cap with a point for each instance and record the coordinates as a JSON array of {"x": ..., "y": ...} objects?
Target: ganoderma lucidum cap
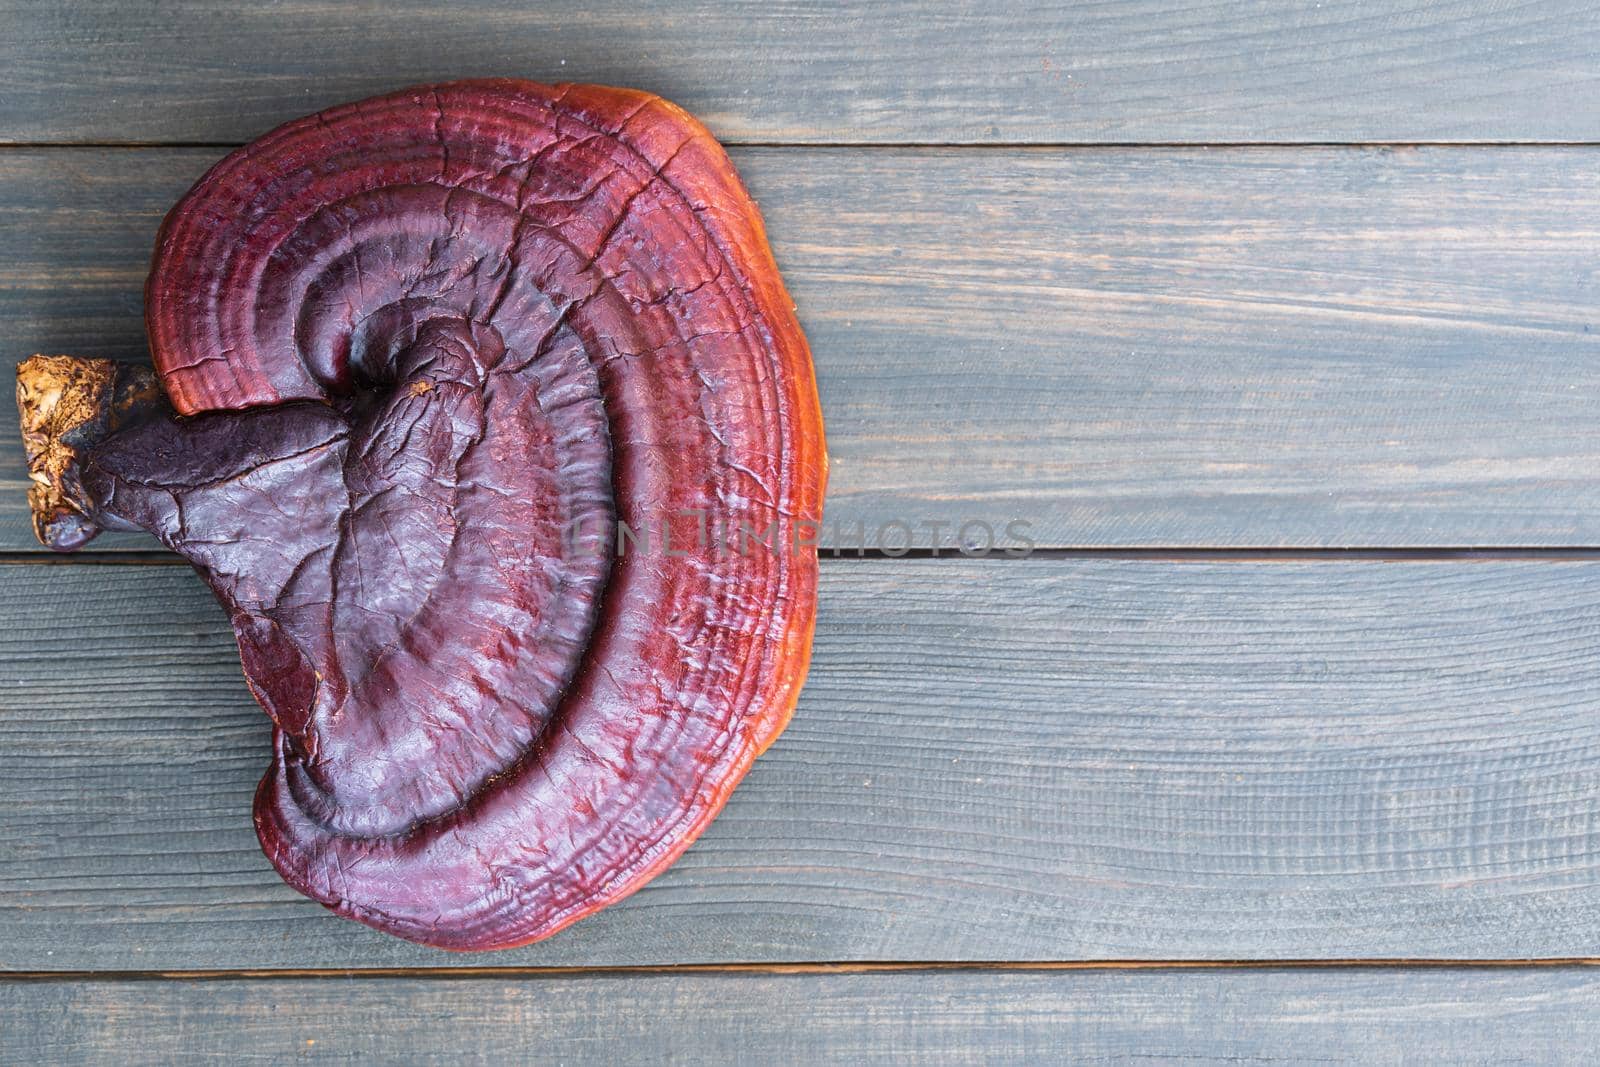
[{"x": 417, "y": 357}]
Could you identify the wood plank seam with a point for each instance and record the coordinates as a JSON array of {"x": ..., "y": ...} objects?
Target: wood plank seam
[
  {"x": 1196, "y": 554},
  {"x": 824, "y": 968}
]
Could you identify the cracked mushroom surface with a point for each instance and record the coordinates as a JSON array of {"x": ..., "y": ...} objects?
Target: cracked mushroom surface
[{"x": 484, "y": 412}]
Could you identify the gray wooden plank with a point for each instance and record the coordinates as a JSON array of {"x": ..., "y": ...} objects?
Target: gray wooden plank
[
  {"x": 1340, "y": 1015},
  {"x": 1287, "y": 347},
  {"x": 911, "y": 70},
  {"x": 992, "y": 760}
]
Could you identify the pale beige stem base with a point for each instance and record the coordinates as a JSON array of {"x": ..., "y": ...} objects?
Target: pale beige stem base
[{"x": 68, "y": 404}]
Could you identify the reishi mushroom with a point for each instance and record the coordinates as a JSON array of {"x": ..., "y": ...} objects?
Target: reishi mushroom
[{"x": 422, "y": 364}]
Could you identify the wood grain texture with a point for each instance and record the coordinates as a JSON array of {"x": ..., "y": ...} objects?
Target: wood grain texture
[
  {"x": 991, "y": 761},
  {"x": 911, "y": 70},
  {"x": 1365, "y": 1016},
  {"x": 1285, "y": 347}
]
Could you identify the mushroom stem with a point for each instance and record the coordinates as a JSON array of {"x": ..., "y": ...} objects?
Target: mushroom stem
[{"x": 69, "y": 405}]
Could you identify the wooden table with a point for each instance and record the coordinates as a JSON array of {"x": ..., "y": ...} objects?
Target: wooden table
[{"x": 1276, "y": 321}]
